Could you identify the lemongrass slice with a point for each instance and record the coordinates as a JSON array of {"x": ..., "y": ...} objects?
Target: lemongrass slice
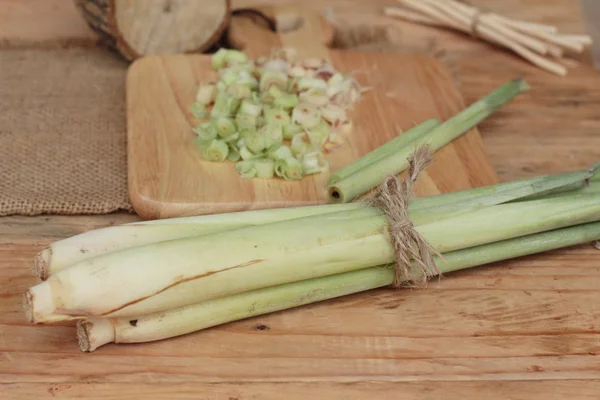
[
  {"x": 216, "y": 151},
  {"x": 206, "y": 93},
  {"x": 198, "y": 110},
  {"x": 367, "y": 178},
  {"x": 206, "y": 131},
  {"x": 185, "y": 271},
  {"x": 306, "y": 115},
  {"x": 96, "y": 332},
  {"x": 289, "y": 130}
]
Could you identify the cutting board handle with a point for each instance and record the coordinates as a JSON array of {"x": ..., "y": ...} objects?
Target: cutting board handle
[{"x": 295, "y": 27}]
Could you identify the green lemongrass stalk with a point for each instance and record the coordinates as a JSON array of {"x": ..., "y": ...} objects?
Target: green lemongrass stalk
[
  {"x": 370, "y": 176},
  {"x": 387, "y": 150},
  {"x": 96, "y": 332},
  {"x": 75, "y": 249},
  {"x": 593, "y": 187},
  {"x": 67, "y": 252},
  {"x": 185, "y": 271}
]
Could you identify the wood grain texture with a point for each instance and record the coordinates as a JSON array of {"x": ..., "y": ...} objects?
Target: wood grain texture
[
  {"x": 535, "y": 332},
  {"x": 168, "y": 178}
]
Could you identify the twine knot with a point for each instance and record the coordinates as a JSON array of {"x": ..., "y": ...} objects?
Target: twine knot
[{"x": 413, "y": 255}]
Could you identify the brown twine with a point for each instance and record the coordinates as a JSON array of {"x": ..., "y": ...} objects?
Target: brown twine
[{"x": 392, "y": 198}]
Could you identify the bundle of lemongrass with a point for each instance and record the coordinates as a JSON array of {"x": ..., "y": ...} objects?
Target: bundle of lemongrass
[
  {"x": 153, "y": 280},
  {"x": 534, "y": 42}
]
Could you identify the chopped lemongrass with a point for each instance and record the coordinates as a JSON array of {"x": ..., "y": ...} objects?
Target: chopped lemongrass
[
  {"x": 286, "y": 101},
  {"x": 333, "y": 114},
  {"x": 370, "y": 176},
  {"x": 335, "y": 80},
  {"x": 234, "y": 154},
  {"x": 96, "y": 332},
  {"x": 246, "y": 169},
  {"x": 216, "y": 151},
  {"x": 273, "y": 78},
  {"x": 235, "y": 57},
  {"x": 246, "y": 122},
  {"x": 315, "y": 96},
  {"x": 281, "y": 153},
  {"x": 275, "y": 97},
  {"x": 206, "y": 131},
  {"x": 198, "y": 110},
  {"x": 248, "y": 107},
  {"x": 297, "y": 72},
  {"x": 264, "y": 168},
  {"x": 306, "y": 115},
  {"x": 301, "y": 145},
  {"x": 292, "y": 169},
  {"x": 313, "y": 163},
  {"x": 275, "y": 92},
  {"x": 247, "y": 155},
  {"x": 206, "y": 94},
  {"x": 255, "y": 142},
  {"x": 311, "y": 83},
  {"x": 276, "y": 116},
  {"x": 289, "y": 130},
  {"x": 224, "y": 126},
  {"x": 239, "y": 91},
  {"x": 318, "y": 135},
  {"x": 221, "y": 86},
  {"x": 388, "y": 149},
  {"x": 229, "y": 77},
  {"x": 218, "y": 59},
  {"x": 273, "y": 131},
  {"x": 232, "y": 139}
]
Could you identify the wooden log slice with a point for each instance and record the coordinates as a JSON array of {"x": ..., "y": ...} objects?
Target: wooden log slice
[{"x": 137, "y": 28}]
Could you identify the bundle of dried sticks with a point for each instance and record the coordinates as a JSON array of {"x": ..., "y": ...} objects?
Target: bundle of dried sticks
[{"x": 531, "y": 41}]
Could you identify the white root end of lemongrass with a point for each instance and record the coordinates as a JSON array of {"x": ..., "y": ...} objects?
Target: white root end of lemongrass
[
  {"x": 41, "y": 262},
  {"x": 597, "y": 244},
  {"x": 39, "y": 304},
  {"x": 94, "y": 332}
]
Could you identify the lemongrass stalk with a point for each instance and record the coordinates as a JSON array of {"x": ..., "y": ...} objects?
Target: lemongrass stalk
[
  {"x": 75, "y": 249},
  {"x": 388, "y": 149},
  {"x": 97, "y": 332},
  {"x": 185, "y": 271},
  {"x": 370, "y": 176},
  {"x": 67, "y": 252}
]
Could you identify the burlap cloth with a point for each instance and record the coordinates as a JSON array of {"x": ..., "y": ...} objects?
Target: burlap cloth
[
  {"x": 62, "y": 132},
  {"x": 63, "y": 125}
]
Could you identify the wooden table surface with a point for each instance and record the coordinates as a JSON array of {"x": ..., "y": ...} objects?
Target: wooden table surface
[{"x": 524, "y": 329}]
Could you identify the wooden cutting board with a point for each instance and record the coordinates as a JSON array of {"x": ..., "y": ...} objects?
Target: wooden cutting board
[{"x": 168, "y": 178}]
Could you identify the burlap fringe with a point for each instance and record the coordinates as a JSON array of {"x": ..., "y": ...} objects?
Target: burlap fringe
[{"x": 414, "y": 256}]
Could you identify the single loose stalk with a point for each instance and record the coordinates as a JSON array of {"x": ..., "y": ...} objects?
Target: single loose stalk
[
  {"x": 95, "y": 332},
  {"x": 362, "y": 181},
  {"x": 185, "y": 271},
  {"x": 388, "y": 149}
]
